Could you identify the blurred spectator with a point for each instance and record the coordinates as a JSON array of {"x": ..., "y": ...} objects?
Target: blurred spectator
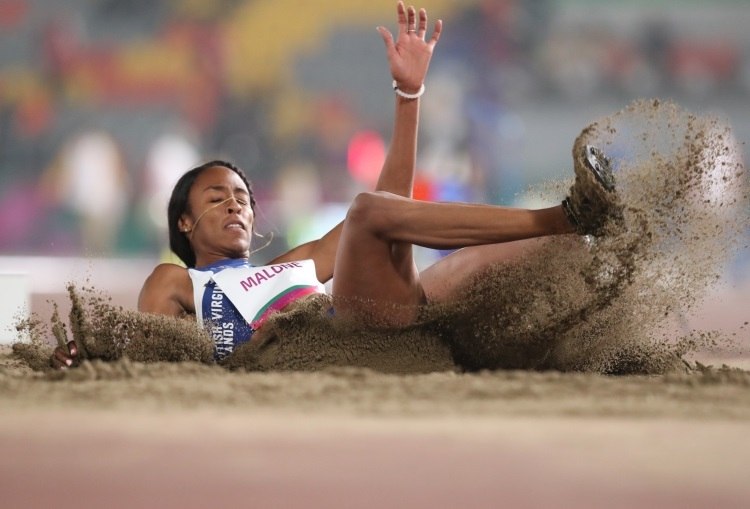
[
  {"x": 22, "y": 216},
  {"x": 507, "y": 70},
  {"x": 88, "y": 179},
  {"x": 170, "y": 156}
]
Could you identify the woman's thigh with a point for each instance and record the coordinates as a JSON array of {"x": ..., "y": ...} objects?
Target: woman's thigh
[
  {"x": 442, "y": 280},
  {"x": 375, "y": 279}
]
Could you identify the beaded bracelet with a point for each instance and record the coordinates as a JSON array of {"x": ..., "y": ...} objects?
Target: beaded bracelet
[{"x": 403, "y": 94}]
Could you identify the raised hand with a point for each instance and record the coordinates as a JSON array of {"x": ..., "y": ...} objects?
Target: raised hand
[{"x": 409, "y": 56}]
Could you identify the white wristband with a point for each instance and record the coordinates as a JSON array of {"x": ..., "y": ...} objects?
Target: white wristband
[{"x": 403, "y": 94}]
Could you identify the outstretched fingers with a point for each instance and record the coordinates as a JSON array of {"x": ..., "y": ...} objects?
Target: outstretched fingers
[
  {"x": 390, "y": 45},
  {"x": 411, "y": 15},
  {"x": 422, "y": 30},
  {"x": 408, "y": 52},
  {"x": 436, "y": 33},
  {"x": 402, "y": 21},
  {"x": 407, "y": 20},
  {"x": 408, "y": 25}
]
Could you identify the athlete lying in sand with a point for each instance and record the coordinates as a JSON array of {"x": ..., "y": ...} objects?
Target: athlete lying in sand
[{"x": 369, "y": 254}]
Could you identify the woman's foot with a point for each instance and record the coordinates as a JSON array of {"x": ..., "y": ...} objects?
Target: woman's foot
[{"x": 593, "y": 202}]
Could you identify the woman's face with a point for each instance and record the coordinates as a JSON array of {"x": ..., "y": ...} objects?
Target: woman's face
[{"x": 220, "y": 221}]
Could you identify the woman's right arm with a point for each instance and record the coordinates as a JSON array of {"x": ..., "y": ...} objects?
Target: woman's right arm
[{"x": 167, "y": 291}]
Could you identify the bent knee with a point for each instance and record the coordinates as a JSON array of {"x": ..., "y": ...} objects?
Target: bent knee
[{"x": 373, "y": 211}]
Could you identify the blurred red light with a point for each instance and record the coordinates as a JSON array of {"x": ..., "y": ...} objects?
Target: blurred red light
[{"x": 365, "y": 156}]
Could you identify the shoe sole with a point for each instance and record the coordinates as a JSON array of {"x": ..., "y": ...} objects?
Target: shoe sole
[{"x": 599, "y": 164}]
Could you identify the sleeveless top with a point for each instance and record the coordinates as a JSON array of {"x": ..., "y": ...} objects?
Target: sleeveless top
[{"x": 233, "y": 298}]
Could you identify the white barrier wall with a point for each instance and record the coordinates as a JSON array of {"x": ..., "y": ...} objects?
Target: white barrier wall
[
  {"x": 34, "y": 283},
  {"x": 15, "y": 303}
]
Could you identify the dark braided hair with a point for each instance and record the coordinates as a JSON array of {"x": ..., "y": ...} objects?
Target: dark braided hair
[{"x": 179, "y": 205}]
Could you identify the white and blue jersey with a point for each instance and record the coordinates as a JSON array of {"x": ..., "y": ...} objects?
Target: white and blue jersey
[{"x": 233, "y": 298}]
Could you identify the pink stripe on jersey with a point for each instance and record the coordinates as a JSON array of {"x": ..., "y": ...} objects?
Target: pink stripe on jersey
[{"x": 280, "y": 302}]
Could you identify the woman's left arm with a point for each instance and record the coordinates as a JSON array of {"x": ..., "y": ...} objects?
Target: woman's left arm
[
  {"x": 322, "y": 251},
  {"x": 408, "y": 59}
]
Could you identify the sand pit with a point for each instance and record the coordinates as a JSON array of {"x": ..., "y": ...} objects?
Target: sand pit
[
  {"x": 168, "y": 460},
  {"x": 505, "y": 398},
  {"x": 191, "y": 435}
]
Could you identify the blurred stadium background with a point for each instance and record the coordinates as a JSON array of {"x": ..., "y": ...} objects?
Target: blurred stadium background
[{"x": 104, "y": 103}]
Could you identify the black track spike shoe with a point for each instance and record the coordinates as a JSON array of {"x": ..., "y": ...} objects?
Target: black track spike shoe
[{"x": 592, "y": 201}]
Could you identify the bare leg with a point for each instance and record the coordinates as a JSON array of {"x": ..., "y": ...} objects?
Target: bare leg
[
  {"x": 397, "y": 175},
  {"x": 446, "y": 277},
  {"x": 377, "y": 221}
]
